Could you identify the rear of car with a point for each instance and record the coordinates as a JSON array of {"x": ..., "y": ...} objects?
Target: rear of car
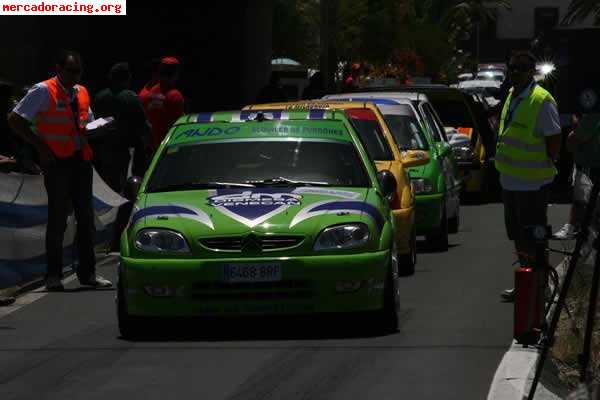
[{"x": 247, "y": 213}]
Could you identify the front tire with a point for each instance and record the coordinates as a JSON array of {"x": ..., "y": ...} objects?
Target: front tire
[
  {"x": 438, "y": 238},
  {"x": 407, "y": 262},
  {"x": 130, "y": 327},
  {"x": 386, "y": 319},
  {"x": 454, "y": 222}
]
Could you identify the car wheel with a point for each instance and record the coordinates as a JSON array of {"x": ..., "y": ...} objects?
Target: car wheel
[
  {"x": 385, "y": 320},
  {"x": 454, "y": 222},
  {"x": 130, "y": 327},
  {"x": 438, "y": 238},
  {"x": 407, "y": 262}
]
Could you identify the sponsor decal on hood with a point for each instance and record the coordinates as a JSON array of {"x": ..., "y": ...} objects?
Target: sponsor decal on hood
[
  {"x": 172, "y": 210},
  {"x": 253, "y": 207}
]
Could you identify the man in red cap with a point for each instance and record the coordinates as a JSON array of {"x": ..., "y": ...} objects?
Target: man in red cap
[{"x": 165, "y": 103}]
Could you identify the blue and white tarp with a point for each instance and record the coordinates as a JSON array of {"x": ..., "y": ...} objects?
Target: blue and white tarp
[{"x": 23, "y": 216}]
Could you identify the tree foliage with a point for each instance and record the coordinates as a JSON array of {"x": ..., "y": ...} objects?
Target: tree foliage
[
  {"x": 377, "y": 31},
  {"x": 296, "y": 25},
  {"x": 581, "y": 9}
]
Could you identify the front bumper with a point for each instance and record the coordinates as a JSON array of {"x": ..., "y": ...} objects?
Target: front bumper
[
  {"x": 429, "y": 212},
  {"x": 308, "y": 285}
]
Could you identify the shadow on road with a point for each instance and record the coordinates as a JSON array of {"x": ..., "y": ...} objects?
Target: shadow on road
[
  {"x": 424, "y": 248},
  {"x": 259, "y": 328}
]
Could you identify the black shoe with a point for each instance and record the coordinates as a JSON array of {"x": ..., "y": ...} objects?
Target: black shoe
[
  {"x": 54, "y": 284},
  {"x": 509, "y": 295}
]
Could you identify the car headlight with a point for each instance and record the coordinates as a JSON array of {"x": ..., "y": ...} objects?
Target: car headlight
[
  {"x": 342, "y": 237},
  {"x": 463, "y": 153},
  {"x": 161, "y": 241},
  {"x": 421, "y": 186}
]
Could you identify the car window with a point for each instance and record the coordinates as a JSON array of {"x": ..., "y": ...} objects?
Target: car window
[
  {"x": 407, "y": 132},
  {"x": 437, "y": 121},
  {"x": 453, "y": 113},
  {"x": 370, "y": 133},
  {"x": 334, "y": 163},
  {"x": 429, "y": 120}
]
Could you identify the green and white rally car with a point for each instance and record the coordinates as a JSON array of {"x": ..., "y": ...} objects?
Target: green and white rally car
[{"x": 253, "y": 212}]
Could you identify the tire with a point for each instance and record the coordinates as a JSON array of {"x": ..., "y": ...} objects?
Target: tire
[
  {"x": 385, "y": 320},
  {"x": 130, "y": 327},
  {"x": 438, "y": 238},
  {"x": 407, "y": 262},
  {"x": 454, "y": 222}
]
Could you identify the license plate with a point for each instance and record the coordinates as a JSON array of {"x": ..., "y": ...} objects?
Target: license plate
[{"x": 252, "y": 273}]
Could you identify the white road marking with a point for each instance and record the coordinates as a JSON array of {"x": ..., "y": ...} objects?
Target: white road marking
[
  {"x": 38, "y": 293},
  {"x": 30, "y": 297}
]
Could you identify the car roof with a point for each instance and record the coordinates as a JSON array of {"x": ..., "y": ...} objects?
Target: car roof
[
  {"x": 375, "y": 98},
  {"x": 318, "y": 104},
  {"x": 382, "y": 96},
  {"x": 270, "y": 114},
  {"x": 479, "y": 83},
  {"x": 425, "y": 89}
]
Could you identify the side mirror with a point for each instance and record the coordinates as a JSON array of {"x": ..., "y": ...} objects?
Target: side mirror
[
  {"x": 133, "y": 187},
  {"x": 414, "y": 158},
  {"x": 387, "y": 181}
]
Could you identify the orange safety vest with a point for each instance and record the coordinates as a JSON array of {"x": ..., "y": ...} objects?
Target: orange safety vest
[{"x": 56, "y": 126}]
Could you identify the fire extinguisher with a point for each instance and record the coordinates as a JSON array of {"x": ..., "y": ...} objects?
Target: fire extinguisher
[
  {"x": 529, "y": 305},
  {"x": 530, "y": 287}
]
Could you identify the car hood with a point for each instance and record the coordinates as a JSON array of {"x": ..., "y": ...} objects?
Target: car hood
[{"x": 228, "y": 212}]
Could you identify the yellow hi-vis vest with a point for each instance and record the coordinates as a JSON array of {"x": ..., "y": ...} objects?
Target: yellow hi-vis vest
[{"x": 520, "y": 153}]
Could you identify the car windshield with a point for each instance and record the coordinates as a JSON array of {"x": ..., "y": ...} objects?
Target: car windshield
[
  {"x": 367, "y": 126},
  {"x": 256, "y": 162},
  {"x": 453, "y": 113},
  {"x": 407, "y": 131}
]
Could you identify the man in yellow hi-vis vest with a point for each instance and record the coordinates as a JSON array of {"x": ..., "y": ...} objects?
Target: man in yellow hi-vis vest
[{"x": 528, "y": 143}]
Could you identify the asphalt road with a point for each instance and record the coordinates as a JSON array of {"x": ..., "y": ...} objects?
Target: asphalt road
[{"x": 453, "y": 334}]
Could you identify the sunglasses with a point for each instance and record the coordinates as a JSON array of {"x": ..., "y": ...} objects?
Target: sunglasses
[{"x": 520, "y": 67}]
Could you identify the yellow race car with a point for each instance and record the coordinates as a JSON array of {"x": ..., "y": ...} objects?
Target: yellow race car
[{"x": 383, "y": 150}]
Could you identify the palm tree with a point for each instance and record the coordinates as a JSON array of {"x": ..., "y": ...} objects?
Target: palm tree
[
  {"x": 580, "y": 9},
  {"x": 477, "y": 12}
]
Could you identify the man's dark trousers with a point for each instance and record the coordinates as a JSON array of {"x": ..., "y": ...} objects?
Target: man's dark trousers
[{"x": 69, "y": 182}]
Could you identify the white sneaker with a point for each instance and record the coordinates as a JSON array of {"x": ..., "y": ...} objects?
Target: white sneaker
[
  {"x": 97, "y": 282},
  {"x": 568, "y": 231}
]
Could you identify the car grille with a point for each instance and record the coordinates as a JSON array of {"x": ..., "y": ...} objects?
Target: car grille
[
  {"x": 252, "y": 290},
  {"x": 251, "y": 242}
]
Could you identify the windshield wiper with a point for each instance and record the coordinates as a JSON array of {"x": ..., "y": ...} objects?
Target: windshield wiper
[
  {"x": 282, "y": 181},
  {"x": 200, "y": 185}
]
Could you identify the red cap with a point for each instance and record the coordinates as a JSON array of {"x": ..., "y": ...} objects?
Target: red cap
[{"x": 169, "y": 61}]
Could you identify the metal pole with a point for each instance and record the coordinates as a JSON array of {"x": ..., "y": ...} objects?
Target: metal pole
[
  {"x": 477, "y": 40},
  {"x": 548, "y": 340}
]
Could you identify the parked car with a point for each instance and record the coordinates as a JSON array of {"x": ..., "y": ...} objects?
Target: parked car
[{"x": 437, "y": 185}]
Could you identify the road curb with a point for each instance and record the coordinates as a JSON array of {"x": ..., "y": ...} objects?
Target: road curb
[{"x": 515, "y": 373}]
